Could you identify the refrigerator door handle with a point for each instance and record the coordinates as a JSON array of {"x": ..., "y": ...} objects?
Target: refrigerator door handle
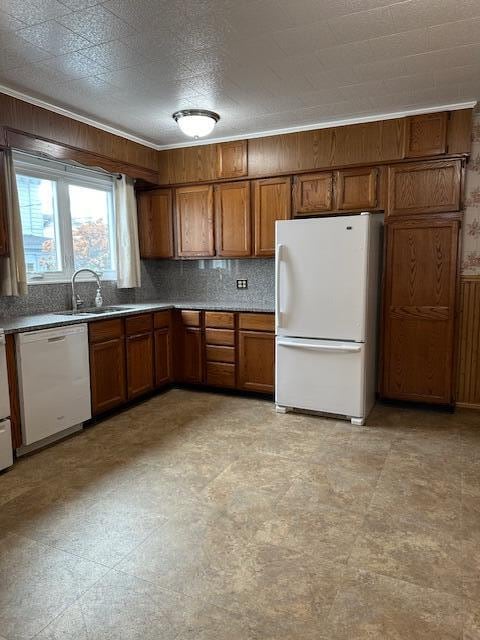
[
  {"x": 315, "y": 346},
  {"x": 278, "y": 311}
]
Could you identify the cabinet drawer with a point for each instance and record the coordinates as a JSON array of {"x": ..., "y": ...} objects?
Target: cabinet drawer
[
  {"x": 190, "y": 318},
  {"x": 161, "y": 319},
  {"x": 138, "y": 324},
  {"x": 220, "y": 374},
  {"x": 220, "y": 336},
  {"x": 102, "y": 330},
  {"x": 256, "y": 321},
  {"x": 217, "y": 353},
  {"x": 220, "y": 320}
]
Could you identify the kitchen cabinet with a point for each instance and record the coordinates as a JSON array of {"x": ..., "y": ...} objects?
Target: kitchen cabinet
[
  {"x": 107, "y": 365},
  {"x": 232, "y": 219},
  {"x": 424, "y": 187},
  {"x": 189, "y": 347},
  {"x": 419, "y": 310},
  {"x": 194, "y": 221},
  {"x": 313, "y": 193},
  {"x": 426, "y": 134},
  {"x": 232, "y": 159},
  {"x": 272, "y": 201},
  {"x": 220, "y": 349},
  {"x": 4, "y": 249},
  {"x": 155, "y": 223},
  {"x": 139, "y": 350},
  {"x": 162, "y": 343},
  {"x": 356, "y": 189},
  {"x": 256, "y": 352}
]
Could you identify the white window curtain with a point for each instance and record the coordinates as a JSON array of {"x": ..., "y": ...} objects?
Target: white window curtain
[
  {"x": 128, "y": 252},
  {"x": 13, "y": 273}
]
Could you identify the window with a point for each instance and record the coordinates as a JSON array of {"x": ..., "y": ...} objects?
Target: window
[{"x": 67, "y": 219}]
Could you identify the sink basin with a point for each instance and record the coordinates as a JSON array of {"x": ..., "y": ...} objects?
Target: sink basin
[{"x": 93, "y": 311}]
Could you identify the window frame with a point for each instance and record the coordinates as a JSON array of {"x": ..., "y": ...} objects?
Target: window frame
[{"x": 64, "y": 175}]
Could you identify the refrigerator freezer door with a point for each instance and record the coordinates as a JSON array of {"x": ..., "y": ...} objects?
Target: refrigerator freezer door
[
  {"x": 321, "y": 277},
  {"x": 321, "y": 375},
  {"x": 6, "y": 454}
]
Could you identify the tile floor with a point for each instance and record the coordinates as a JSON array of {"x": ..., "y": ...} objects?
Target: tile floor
[{"x": 198, "y": 516}]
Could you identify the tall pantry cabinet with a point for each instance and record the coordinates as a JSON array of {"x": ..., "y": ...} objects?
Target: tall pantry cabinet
[{"x": 423, "y": 220}]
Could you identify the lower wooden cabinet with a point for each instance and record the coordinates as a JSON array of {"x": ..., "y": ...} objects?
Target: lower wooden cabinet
[
  {"x": 139, "y": 364},
  {"x": 163, "y": 357},
  {"x": 107, "y": 374},
  {"x": 419, "y": 310},
  {"x": 190, "y": 354},
  {"x": 256, "y": 361}
]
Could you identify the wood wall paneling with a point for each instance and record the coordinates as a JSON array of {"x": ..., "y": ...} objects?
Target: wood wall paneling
[
  {"x": 468, "y": 369},
  {"x": 155, "y": 223},
  {"x": 38, "y": 122}
]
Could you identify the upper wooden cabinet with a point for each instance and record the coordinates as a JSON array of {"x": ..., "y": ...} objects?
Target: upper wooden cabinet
[
  {"x": 419, "y": 316},
  {"x": 232, "y": 159},
  {"x": 232, "y": 219},
  {"x": 356, "y": 189},
  {"x": 194, "y": 221},
  {"x": 313, "y": 192},
  {"x": 272, "y": 201},
  {"x": 424, "y": 187},
  {"x": 3, "y": 209},
  {"x": 155, "y": 226},
  {"x": 426, "y": 135}
]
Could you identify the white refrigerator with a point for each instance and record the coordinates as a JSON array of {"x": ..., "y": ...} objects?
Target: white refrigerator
[{"x": 327, "y": 281}]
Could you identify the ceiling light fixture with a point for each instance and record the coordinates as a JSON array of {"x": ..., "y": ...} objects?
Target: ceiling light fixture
[{"x": 196, "y": 123}]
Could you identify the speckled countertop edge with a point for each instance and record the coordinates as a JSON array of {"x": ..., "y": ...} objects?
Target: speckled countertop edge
[{"x": 35, "y": 322}]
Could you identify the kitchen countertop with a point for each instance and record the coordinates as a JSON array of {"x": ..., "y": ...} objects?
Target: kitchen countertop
[{"x": 56, "y": 319}]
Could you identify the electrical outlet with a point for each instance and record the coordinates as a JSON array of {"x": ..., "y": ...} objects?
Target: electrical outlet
[{"x": 242, "y": 284}]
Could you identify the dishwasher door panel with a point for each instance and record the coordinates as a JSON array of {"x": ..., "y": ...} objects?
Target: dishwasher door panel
[{"x": 54, "y": 381}]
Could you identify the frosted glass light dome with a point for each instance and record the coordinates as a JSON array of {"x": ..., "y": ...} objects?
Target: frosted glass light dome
[{"x": 196, "y": 123}]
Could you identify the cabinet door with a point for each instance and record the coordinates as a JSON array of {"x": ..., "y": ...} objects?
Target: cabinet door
[
  {"x": 232, "y": 159},
  {"x": 256, "y": 361},
  {"x": 3, "y": 209},
  {"x": 194, "y": 221},
  {"x": 419, "y": 314},
  {"x": 163, "y": 356},
  {"x": 356, "y": 189},
  {"x": 313, "y": 193},
  {"x": 426, "y": 135},
  {"x": 232, "y": 219},
  {"x": 155, "y": 227},
  {"x": 191, "y": 353},
  {"x": 424, "y": 187},
  {"x": 107, "y": 374},
  {"x": 272, "y": 201},
  {"x": 139, "y": 364}
]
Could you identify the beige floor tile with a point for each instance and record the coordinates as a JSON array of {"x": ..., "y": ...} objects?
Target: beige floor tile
[
  {"x": 417, "y": 553},
  {"x": 36, "y": 583},
  {"x": 375, "y": 607},
  {"x": 471, "y": 628}
]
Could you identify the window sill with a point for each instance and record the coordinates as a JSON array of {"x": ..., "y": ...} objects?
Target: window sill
[{"x": 68, "y": 281}]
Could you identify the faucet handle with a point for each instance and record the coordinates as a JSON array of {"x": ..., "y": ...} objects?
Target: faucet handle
[{"x": 78, "y": 300}]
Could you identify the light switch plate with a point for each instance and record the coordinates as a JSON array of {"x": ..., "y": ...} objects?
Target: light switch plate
[{"x": 242, "y": 284}]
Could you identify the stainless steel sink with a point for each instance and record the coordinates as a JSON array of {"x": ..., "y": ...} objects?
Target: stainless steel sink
[{"x": 93, "y": 311}]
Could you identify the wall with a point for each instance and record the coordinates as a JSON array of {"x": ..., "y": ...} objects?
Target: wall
[
  {"x": 471, "y": 227},
  {"x": 167, "y": 280}
]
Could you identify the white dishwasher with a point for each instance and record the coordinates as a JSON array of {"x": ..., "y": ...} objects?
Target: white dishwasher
[{"x": 54, "y": 381}]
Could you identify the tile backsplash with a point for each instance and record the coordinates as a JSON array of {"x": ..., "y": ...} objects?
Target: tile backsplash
[{"x": 163, "y": 280}]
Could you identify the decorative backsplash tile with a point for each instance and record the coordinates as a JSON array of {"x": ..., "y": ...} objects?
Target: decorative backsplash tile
[{"x": 162, "y": 280}]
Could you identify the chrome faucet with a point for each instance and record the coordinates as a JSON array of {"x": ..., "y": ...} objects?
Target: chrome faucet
[{"x": 76, "y": 300}]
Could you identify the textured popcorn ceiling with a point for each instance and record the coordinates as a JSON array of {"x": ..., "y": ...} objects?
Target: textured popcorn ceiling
[{"x": 262, "y": 64}]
